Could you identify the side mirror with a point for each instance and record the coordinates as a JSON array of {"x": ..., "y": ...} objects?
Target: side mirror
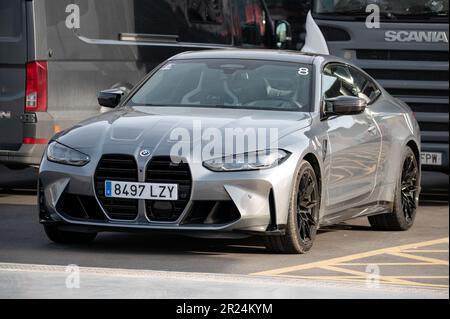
[
  {"x": 345, "y": 105},
  {"x": 283, "y": 34},
  {"x": 110, "y": 98}
]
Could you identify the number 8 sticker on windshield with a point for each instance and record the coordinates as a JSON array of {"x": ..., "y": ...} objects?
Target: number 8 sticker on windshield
[{"x": 303, "y": 71}]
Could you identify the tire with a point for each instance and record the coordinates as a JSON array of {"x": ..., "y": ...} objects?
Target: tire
[
  {"x": 297, "y": 239},
  {"x": 67, "y": 237},
  {"x": 405, "y": 202}
]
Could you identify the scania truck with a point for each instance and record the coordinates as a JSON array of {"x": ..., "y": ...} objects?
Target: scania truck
[{"x": 407, "y": 52}]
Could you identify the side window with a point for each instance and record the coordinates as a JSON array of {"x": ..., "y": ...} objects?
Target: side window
[
  {"x": 367, "y": 89},
  {"x": 337, "y": 81},
  {"x": 205, "y": 11},
  {"x": 10, "y": 19},
  {"x": 252, "y": 22},
  {"x": 371, "y": 91},
  {"x": 110, "y": 19}
]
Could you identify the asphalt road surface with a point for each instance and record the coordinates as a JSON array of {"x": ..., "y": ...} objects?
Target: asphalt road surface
[
  {"x": 349, "y": 260},
  {"x": 345, "y": 253}
]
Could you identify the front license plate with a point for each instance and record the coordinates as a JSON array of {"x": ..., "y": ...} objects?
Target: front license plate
[
  {"x": 430, "y": 158},
  {"x": 141, "y": 190}
]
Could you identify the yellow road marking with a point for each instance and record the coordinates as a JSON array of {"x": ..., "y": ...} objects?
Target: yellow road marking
[
  {"x": 422, "y": 277},
  {"x": 363, "y": 279},
  {"x": 403, "y": 251},
  {"x": 426, "y": 251},
  {"x": 386, "y": 264},
  {"x": 433, "y": 261},
  {"x": 344, "y": 259},
  {"x": 364, "y": 274}
]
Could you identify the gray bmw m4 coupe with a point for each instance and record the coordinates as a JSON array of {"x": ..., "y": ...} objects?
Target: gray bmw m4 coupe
[{"x": 235, "y": 143}]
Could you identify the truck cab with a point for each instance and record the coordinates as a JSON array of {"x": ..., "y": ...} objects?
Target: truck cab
[{"x": 407, "y": 53}]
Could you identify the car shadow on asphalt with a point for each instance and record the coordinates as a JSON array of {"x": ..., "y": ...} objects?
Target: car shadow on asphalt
[
  {"x": 173, "y": 244},
  {"x": 123, "y": 243},
  {"x": 165, "y": 244},
  {"x": 344, "y": 226}
]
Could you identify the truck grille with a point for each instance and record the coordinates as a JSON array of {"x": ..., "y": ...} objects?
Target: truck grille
[
  {"x": 417, "y": 92},
  {"x": 429, "y": 107},
  {"x": 116, "y": 168},
  {"x": 408, "y": 75},
  {"x": 334, "y": 34},
  {"x": 432, "y": 100},
  {"x": 161, "y": 169},
  {"x": 402, "y": 55},
  {"x": 433, "y": 127}
]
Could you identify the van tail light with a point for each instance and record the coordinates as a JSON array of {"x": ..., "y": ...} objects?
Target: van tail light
[
  {"x": 36, "y": 87},
  {"x": 33, "y": 140}
]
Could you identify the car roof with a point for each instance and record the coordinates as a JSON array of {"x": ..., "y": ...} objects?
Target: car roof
[{"x": 249, "y": 54}]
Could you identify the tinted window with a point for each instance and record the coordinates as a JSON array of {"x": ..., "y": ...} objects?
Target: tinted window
[
  {"x": 337, "y": 81},
  {"x": 252, "y": 22},
  {"x": 205, "y": 11},
  {"x": 229, "y": 83},
  {"x": 107, "y": 19},
  {"x": 10, "y": 18},
  {"x": 391, "y": 10},
  {"x": 367, "y": 89},
  {"x": 198, "y": 21}
]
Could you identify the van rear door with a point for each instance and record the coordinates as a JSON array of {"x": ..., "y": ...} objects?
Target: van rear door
[{"x": 13, "y": 58}]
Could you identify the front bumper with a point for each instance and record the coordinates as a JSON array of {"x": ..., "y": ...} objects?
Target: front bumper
[{"x": 257, "y": 202}]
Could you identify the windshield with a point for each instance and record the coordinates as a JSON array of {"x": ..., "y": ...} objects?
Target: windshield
[
  {"x": 389, "y": 9},
  {"x": 246, "y": 84}
]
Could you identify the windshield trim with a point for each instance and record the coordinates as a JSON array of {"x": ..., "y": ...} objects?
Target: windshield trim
[{"x": 230, "y": 107}]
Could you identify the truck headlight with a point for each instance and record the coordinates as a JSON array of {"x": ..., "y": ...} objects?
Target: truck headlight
[
  {"x": 247, "y": 161},
  {"x": 62, "y": 154}
]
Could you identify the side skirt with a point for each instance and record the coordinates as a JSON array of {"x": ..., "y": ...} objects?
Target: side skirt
[{"x": 374, "y": 208}]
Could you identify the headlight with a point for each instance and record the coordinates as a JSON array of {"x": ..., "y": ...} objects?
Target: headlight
[
  {"x": 62, "y": 154},
  {"x": 247, "y": 161}
]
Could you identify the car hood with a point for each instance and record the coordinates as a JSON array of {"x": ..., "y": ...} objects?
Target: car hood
[{"x": 152, "y": 127}]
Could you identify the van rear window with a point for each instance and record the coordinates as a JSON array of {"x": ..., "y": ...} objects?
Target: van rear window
[{"x": 10, "y": 18}]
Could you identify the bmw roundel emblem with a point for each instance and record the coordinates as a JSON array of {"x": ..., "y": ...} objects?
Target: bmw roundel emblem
[{"x": 144, "y": 153}]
